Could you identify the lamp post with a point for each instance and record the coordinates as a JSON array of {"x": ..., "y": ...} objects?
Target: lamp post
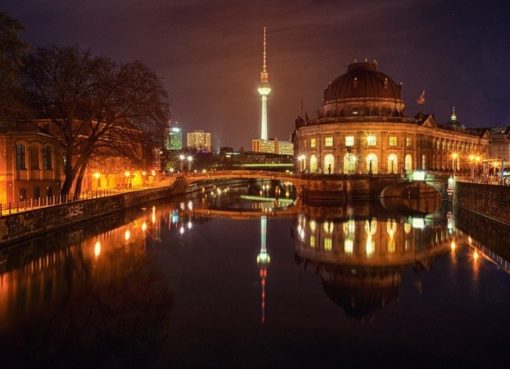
[
  {"x": 302, "y": 159},
  {"x": 190, "y": 159},
  {"x": 455, "y": 156},
  {"x": 181, "y": 157}
]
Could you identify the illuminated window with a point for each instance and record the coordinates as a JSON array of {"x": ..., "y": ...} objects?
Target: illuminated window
[
  {"x": 348, "y": 245},
  {"x": 371, "y": 140},
  {"x": 328, "y": 243},
  {"x": 328, "y": 141},
  {"x": 313, "y": 143},
  {"x": 349, "y": 141},
  {"x": 312, "y": 241},
  {"x": 409, "y": 141},
  {"x": 392, "y": 141}
]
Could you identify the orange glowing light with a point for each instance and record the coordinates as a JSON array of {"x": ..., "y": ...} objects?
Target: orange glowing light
[
  {"x": 453, "y": 245},
  {"x": 476, "y": 255},
  {"x": 144, "y": 226},
  {"x": 127, "y": 235},
  {"x": 97, "y": 249}
]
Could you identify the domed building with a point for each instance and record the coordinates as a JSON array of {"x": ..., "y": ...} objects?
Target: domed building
[{"x": 361, "y": 128}]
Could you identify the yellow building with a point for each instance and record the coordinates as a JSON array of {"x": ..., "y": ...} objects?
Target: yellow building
[
  {"x": 199, "y": 140},
  {"x": 361, "y": 128},
  {"x": 272, "y": 146},
  {"x": 30, "y": 163}
]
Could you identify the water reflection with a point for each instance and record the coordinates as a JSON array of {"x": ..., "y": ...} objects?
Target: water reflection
[
  {"x": 360, "y": 259},
  {"x": 63, "y": 294}
]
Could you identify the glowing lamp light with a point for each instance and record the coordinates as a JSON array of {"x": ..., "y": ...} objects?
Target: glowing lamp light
[
  {"x": 181, "y": 230},
  {"x": 153, "y": 172},
  {"x": 97, "y": 175},
  {"x": 190, "y": 158},
  {"x": 455, "y": 155},
  {"x": 476, "y": 255},
  {"x": 144, "y": 173},
  {"x": 190, "y": 225},
  {"x": 419, "y": 175},
  {"x": 127, "y": 173},
  {"x": 127, "y": 235},
  {"x": 97, "y": 249},
  {"x": 181, "y": 157},
  {"x": 144, "y": 226},
  {"x": 453, "y": 245}
]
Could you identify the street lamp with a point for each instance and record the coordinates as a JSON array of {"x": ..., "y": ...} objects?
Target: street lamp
[
  {"x": 182, "y": 161},
  {"x": 190, "y": 159},
  {"x": 302, "y": 159},
  {"x": 455, "y": 156}
]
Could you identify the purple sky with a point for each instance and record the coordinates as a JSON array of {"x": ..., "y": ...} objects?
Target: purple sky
[{"x": 208, "y": 53}]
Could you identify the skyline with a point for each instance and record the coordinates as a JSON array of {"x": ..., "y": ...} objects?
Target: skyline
[{"x": 209, "y": 54}]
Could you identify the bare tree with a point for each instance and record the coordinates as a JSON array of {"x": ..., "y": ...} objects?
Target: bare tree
[
  {"x": 96, "y": 106},
  {"x": 12, "y": 50}
]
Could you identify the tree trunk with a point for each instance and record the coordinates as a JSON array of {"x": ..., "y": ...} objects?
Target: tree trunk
[
  {"x": 79, "y": 180},
  {"x": 69, "y": 174}
]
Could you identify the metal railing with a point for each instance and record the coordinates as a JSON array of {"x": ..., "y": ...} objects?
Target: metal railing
[{"x": 57, "y": 200}]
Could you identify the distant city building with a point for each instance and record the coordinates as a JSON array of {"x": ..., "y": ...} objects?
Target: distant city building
[
  {"x": 272, "y": 146},
  {"x": 199, "y": 140},
  {"x": 173, "y": 137}
]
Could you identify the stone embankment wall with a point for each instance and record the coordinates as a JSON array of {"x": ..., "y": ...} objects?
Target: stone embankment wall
[
  {"x": 492, "y": 201},
  {"x": 26, "y": 224}
]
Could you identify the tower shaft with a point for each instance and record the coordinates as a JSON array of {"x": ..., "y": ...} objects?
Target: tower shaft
[{"x": 264, "y": 90}]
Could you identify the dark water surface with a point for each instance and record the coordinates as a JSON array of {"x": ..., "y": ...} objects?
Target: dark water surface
[{"x": 165, "y": 286}]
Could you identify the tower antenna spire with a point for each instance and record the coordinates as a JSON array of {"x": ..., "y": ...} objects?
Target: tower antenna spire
[{"x": 264, "y": 76}]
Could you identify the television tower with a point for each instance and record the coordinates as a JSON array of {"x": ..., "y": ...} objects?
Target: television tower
[{"x": 264, "y": 90}]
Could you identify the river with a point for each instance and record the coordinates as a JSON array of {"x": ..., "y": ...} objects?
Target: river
[{"x": 207, "y": 281}]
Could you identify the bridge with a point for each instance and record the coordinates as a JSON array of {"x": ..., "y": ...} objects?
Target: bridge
[{"x": 329, "y": 186}]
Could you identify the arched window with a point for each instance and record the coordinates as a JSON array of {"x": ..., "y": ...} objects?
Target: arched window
[
  {"x": 34, "y": 158},
  {"x": 20, "y": 156},
  {"x": 408, "y": 163},
  {"x": 349, "y": 163},
  {"x": 392, "y": 164},
  {"x": 372, "y": 165},
  {"x": 313, "y": 164},
  {"x": 329, "y": 164},
  {"x": 47, "y": 162}
]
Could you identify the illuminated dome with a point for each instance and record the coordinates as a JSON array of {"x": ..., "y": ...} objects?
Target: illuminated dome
[{"x": 363, "y": 91}]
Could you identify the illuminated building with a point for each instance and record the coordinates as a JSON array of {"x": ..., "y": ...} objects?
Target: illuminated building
[
  {"x": 272, "y": 146},
  {"x": 173, "y": 137},
  {"x": 30, "y": 165},
  {"x": 199, "y": 140},
  {"x": 263, "y": 260},
  {"x": 361, "y": 128},
  {"x": 264, "y": 90}
]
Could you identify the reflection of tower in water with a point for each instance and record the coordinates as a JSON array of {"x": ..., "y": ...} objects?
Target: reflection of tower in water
[{"x": 263, "y": 260}]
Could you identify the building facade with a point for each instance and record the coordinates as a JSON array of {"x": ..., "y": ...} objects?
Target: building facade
[
  {"x": 361, "y": 128},
  {"x": 272, "y": 146},
  {"x": 199, "y": 140},
  {"x": 31, "y": 164},
  {"x": 173, "y": 138}
]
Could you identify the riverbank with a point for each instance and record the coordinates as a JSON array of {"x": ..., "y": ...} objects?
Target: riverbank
[{"x": 23, "y": 225}]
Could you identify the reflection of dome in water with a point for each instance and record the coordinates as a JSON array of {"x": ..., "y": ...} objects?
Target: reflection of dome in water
[{"x": 362, "y": 293}]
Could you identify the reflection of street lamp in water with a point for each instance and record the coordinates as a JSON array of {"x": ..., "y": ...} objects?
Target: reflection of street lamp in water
[{"x": 190, "y": 159}]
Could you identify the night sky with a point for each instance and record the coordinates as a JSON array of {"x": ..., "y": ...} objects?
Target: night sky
[{"x": 208, "y": 53}]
